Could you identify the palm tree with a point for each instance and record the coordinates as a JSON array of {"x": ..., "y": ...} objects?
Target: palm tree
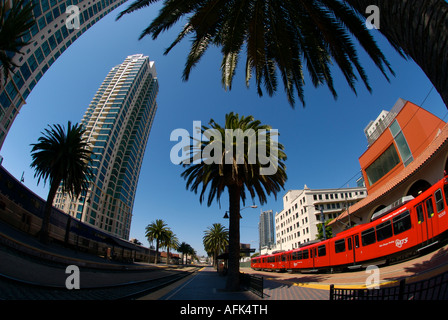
[
  {"x": 215, "y": 240},
  {"x": 15, "y": 21},
  {"x": 157, "y": 231},
  {"x": 328, "y": 230},
  {"x": 183, "y": 248},
  {"x": 171, "y": 242},
  {"x": 418, "y": 30},
  {"x": 62, "y": 158},
  {"x": 237, "y": 172},
  {"x": 192, "y": 253},
  {"x": 287, "y": 35}
]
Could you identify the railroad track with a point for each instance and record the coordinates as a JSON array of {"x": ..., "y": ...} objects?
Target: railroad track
[{"x": 13, "y": 289}]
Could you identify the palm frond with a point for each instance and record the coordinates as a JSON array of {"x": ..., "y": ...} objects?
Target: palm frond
[
  {"x": 62, "y": 155},
  {"x": 136, "y": 5},
  {"x": 235, "y": 169},
  {"x": 281, "y": 38},
  {"x": 15, "y": 21}
]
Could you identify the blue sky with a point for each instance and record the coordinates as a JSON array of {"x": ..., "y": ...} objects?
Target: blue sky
[{"x": 323, "y": 141}]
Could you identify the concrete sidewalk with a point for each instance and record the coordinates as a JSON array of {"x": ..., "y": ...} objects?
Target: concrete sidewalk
[{"x": 207, "y": 284}]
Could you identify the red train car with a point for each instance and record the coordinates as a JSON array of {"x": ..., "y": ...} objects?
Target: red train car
[{"x": 400, "y": 230}]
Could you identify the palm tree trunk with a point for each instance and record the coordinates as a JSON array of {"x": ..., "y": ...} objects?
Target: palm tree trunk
[
  {"x": 157, "y": 251},
  {"x": 44, "y": 231},
  {"x": 420, "y": 29},
  {"x": 233, "y": 280}
]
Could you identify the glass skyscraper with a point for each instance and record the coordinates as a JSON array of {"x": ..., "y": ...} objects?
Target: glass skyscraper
[
  {"x": 50, "y": 36},
  {"x": 117, "y": 123},
  {"x": 266, "y": 229}
]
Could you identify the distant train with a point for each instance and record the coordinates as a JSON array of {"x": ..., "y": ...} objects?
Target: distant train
[
  {"x": 395, "y": 233},
  {"x": 23, "y": 209}
]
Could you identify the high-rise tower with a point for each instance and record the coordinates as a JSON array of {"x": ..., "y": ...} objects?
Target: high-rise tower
[
  {"x": 55, "y": 29},
  {"x": 117, "y": 123},
  {"x": 266, "y": 229}
]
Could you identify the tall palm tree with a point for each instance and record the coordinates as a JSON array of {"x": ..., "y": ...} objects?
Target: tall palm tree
[
  {"x": 61, "y": 157},
  {"x": 157, "y": 231},
  {"x": 15, "y": 21},
  {"x": 171, "y": 242},
  {"x": 237, "y": 172},
  {"x": 192, "y": 253},
  {"x": 287, "y": 36},
  {"x": 418, "y": 30},
  {"x": 183, "y": 248},
  {"x": 215, "y": 240}
]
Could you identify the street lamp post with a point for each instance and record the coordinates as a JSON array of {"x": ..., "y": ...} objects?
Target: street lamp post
[
  {"x": 226, "y": 216},
  {"x": 322, "y": 219}
]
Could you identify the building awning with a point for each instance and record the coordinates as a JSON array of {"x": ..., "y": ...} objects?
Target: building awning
[
  {"x": 439, "y": 142},
  {"x": 121, "y": 243}
]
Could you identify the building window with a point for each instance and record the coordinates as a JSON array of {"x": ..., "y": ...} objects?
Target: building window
[
  {"x": 402, "y": 145},
  {"x": 386, "y": 162}
]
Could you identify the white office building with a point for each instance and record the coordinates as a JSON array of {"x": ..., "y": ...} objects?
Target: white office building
[{"x": 302, "y": 212}]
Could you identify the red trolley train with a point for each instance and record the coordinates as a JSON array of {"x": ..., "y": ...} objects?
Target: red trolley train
[{"x": 394, "y": 233}]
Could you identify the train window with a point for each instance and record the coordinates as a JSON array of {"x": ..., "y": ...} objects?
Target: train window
[
  {"x": 384, "y": 230},
  {"x": 429, "y": 208},
  {"x": 368, "y": 237},
  {"x": 283, "y": 257},
  {"x": 305, "y": 254},
  {"x": 322, "y": 251},
  {"x": 339, "y": 246},
  {"x": 445, "y": 190},
  {"x": 356, "y": 241},
  {"x": 439, "y": 200},
  {"x": 420, "y": 216},
  {"x": 297, "y": 255},
  {"x": 349, "y": 243},
  {"x": 402, "y": 223}
]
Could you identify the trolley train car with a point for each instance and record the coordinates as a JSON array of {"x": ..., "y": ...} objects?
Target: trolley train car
[
  {"x": 394, "y": 233},
  {"x": 23, "y": 209}
]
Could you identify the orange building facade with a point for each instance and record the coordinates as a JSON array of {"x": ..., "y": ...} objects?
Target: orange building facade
[{"x": 407, "y": 153}]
